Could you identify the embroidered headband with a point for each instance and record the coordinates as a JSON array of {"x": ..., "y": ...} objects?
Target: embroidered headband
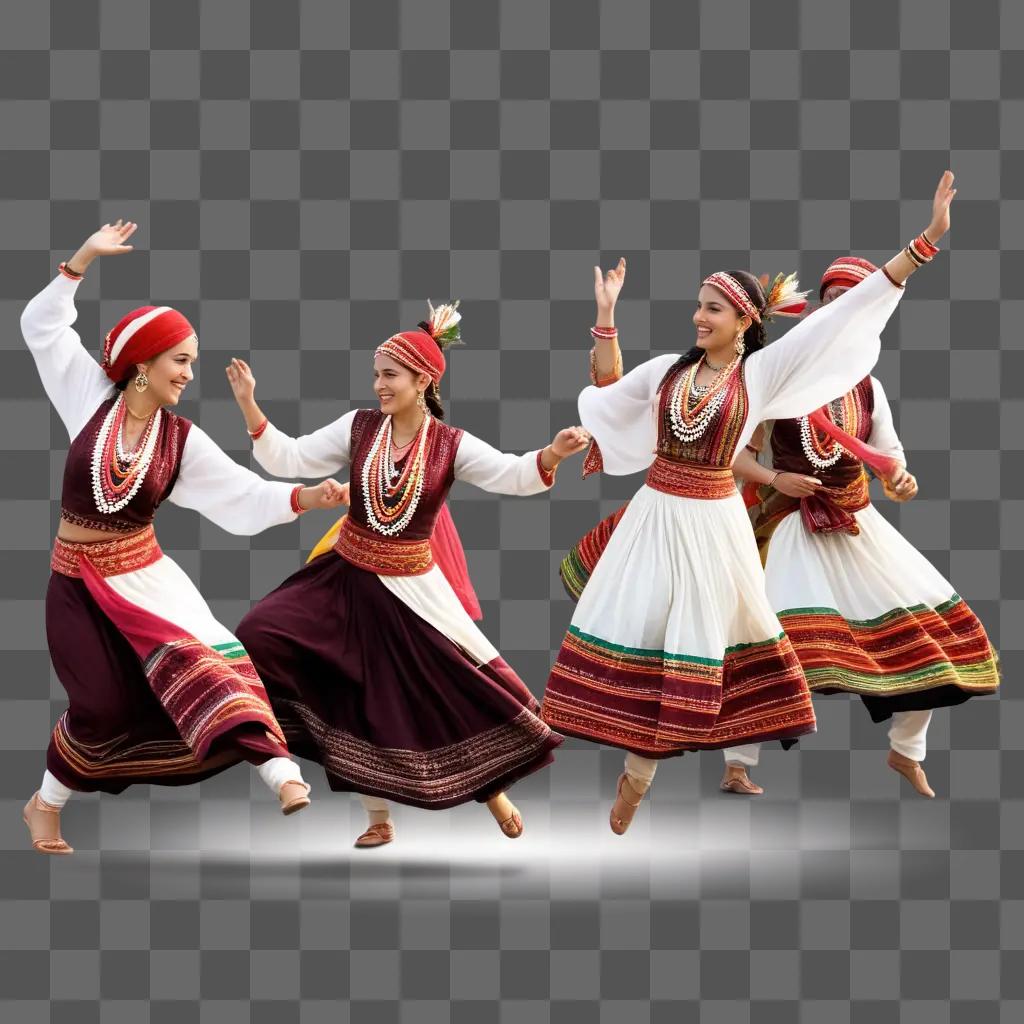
[
  {"x": 734, "y": 292},
  {"x": 783, "y": 297}
]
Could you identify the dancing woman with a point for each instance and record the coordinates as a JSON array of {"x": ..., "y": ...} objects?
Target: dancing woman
[
  {"x": 865, "y": 611},
  {"x": 674, "y": 645},
  {"x": 372, "y": 664},
  {"x": 159, "y": 691}
]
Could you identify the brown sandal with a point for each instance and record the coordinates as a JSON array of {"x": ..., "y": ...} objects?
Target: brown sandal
[
  {"x": 52, "y": 844},
  {"x": 376, "y": 835},
  {"x": 294, "y": 796},
  {"x": 512, "y": 826},
  {"x": 620, "y": 822},
  {"x": 741, "y": 784},
  {"x": 912, "y": 772}
]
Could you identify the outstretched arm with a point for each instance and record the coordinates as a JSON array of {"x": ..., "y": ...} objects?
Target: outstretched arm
[
  {"x": 73, "y": 380},
  {"x": 480, "y": 464},
  {"x": 320, "y": 453},
  {"x": 828, "y": 352},
  {"x": 211, "y": 483}
]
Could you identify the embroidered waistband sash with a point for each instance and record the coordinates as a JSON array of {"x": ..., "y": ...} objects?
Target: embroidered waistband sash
[
  {"x": 691, "y": 479},
  {"x": 385, "y": 556},
  {"x": 827, "y": 510},
  {"x": 831, "y": 509},
  {"x": 108, "y": 557}
]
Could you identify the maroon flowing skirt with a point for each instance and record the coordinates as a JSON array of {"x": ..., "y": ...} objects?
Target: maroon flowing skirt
[
  {"x": 115, "y": 731},
  {"x": 385, "y": 702}
]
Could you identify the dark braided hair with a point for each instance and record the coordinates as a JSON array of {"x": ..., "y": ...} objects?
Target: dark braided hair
[{"x": 754, "y": 338}]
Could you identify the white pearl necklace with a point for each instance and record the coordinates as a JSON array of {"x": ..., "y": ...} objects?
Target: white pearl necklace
[
  {"x": 383, "y": 439},
  {"x": 125, "y": 458},
  {"x": 694, "y": 430},
  {"x": 836, "y": 452},
  {"x": 142, "y": 457}
]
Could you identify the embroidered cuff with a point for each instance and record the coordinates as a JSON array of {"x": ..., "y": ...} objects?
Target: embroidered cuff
[
  {"x": 592, "y": 461},
  {"x": 547, "y": 476},
  {"x": 615, "y": 375}
]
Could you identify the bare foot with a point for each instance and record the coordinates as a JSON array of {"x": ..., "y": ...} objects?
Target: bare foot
[
  {"x": 736, "y": 780},
  {"x": 43, "y": 823},
  {"x": 912, "y": 772},
  {"x": 506, "y": 815}
]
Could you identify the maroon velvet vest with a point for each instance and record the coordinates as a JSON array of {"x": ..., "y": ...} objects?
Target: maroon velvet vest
[
  {"x": 844, "y": 489},
  {"x": 78, "y": 505},
  {"x": 788, "y": 453},
  {"x": 717, "y": 445},
  {"x": 442, "y": 446}
]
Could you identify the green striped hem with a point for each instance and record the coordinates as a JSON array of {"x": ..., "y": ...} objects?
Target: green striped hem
[
  {"x": 574, "y": 575},
  {"x": 886, "y": 617},
  {"x": 982, "y": 676},
  {"x": 230, "y": 650},
  {"x": 659, "y": 655}
]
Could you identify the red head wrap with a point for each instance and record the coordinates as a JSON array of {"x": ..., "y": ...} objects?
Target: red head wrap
[
  {"x": 422, "y": 350},
  {"x": 846, "y": 271},
  {"x": 418, "y": 351},
  {"x": 142, "y": 334}
]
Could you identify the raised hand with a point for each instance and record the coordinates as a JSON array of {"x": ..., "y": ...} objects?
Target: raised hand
[
  {"x": 242, "y": 381},
  {"x": 109, "y": 240},
  {"x": 607, "y": 286},
  {"x": 570, "y": 441},
  {"x": 944, "y": 193}
]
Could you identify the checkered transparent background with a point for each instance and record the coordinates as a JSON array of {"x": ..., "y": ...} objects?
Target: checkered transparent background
[{"x": 305, "y": 175}]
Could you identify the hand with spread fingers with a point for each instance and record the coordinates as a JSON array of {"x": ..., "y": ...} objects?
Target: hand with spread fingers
[
  {"x": 109, "y": 240},
  {"x": 607, "y": 287}
]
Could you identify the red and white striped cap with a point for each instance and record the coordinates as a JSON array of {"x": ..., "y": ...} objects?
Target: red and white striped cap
[
  {"x": 416, "y": 350},
  {"x": 140, "y": 335},
  {"x": 846, "y": 271}
]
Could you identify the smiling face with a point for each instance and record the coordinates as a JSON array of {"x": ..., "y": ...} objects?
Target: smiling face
[
  {"x": 170, "y": 372},
  {"x": 717, "y": 322},
  {"x": 396, "y": 386}
]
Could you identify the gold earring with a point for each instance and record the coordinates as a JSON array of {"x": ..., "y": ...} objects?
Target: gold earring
[
  {"x": 420, "y": 401},
  {"x": 141, "y": 382},
  {"x": 739, "y": 345}
]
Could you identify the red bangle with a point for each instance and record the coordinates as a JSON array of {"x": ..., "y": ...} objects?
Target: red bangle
[
  {"x": 68, "y": 272},
  {"x": 296, "y": 507},
  {"x": 604, "y": 333},
  {"x": 547, "y": 476},
  {"x": 260, "y": 430}
]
